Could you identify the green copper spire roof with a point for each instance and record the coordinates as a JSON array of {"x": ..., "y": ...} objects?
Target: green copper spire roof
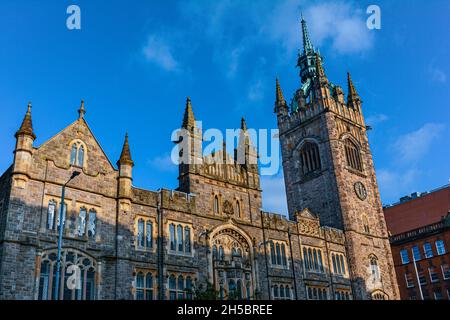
[
  {"x": 188, "y": 119},
  {"x": 27, "y": 125},
  {"x": 307, "y": 45}
]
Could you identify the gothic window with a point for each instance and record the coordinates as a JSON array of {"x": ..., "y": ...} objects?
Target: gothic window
[
  {"x": 221, "y": 254},
  {"x": 316, "y": 263},
  {"x": 309, "y": 158},
  {"x": 187, "y": 239},
  {"x": 149, "y": 234},
  {"x": 239, "y": 289},
  {"x": 231, "y": 290},
  {"x": 288, "y": 293},
  {"x": 275, "y": 292},
  {"x": 92, "y": 225},
  {"x": 305, "y": 258},
  {"x": 365, "y": 222},
  {"x": 140, "y": 286},
  {"x": 149, "y": 286},
  {"x": 310, "y": 258},
  {"x": 283, "y": 255},
  {"x": 272, "y": 253},
  {"x": 379, "y": 295},
  {"x": 352, "y": 155},
  {"x": 278, "y": 254},
  {"x": 180, "y": 237},
  {"x": 73, "y": 262},
  {"x": 339, "y": 267},
  {"x": 172, "y": 237},
  {"x": 320, "y": 261},
  {"x": 374, "y": 269},
  {"x": 215, "y": 253},
  {"x": 180, "y": 287},
  {"x": 73, "y": 154},
  {"x": 282, "y": 292},
  {"x": 77, "y": 154},
  {"x": 82, "y": 222},
  {"x": 188, "y": 290},
  {"x": 140, "y": 234},
  {"x": 172, "y": 287},
  {"x": 51, "y": 213}
]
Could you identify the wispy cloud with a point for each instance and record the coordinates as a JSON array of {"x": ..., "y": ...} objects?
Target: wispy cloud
[
  {"x": 256, "y": 91},
  {"x": 436, "y": 74},
  {"x": 163, "y": 163},
  {"x": 274, "y": 196},
  {"x": 412, "y": 146},
  {"x": 376, "y": 119},
  {"x": 158, "y": 51}
]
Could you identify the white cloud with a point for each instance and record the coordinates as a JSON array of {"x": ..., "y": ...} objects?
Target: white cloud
[
  {"x": 163, "y": 163},
  {"x": 437, "y": 74},
  {"x": 412, "y": 147},
  {"x": 376, "y": 119},
  {"x": 158, "y": 51},
  {"x": 274, "y": 196},
  {"x": 256, "y": 91},
  {"x": 340, "y": 23},
  {"x": 395, "y": 184}
]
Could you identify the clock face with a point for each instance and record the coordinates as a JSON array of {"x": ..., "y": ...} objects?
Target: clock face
[{"x": 360, "y": 191}]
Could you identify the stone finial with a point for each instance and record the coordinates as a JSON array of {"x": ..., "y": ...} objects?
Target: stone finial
[
  {"x": 319, "y": 68},
  {"x": 188, "y": 119},
  {"x": 26, "y": 127},
  {"x": 81, "y": 111},
  {"x": 243, "y": 125},
  {"x": 125, "y": 156}
]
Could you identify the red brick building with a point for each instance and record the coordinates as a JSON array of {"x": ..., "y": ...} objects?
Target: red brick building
[{"x": 419, "y": 227}]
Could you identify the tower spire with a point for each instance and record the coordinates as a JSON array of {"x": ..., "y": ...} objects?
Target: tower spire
[
  {"x": 279, "y": 93},
  {"x": 319, "y": 68},
  {"x": 243, "y": 125},
  {"x": 82, "y": 110},
  {"x": 307, "y": 45},
  {"x": 125, "y": 156},
  {"x": 188, "y": 119},
  {"x": 353, "y": 96},
  {"x": 26, "y": 128}
]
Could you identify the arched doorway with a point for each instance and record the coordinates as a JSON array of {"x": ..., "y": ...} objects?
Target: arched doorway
[
  {"x": 77, "y": 276},
  {"x": 232, "y": 265}
]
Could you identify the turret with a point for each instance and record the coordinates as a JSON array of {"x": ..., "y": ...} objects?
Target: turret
[
  {"x": 281, "y": 108},
  {"x": 190, "y": 146},
  {"x": 250, "y": 161},
  {"x": 24, "y": 150},
  {"x": 125, "y": 165},
  {"x": 353, "y": 99}
]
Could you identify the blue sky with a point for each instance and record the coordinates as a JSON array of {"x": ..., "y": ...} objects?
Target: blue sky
[{"x": 134, "y": 63}]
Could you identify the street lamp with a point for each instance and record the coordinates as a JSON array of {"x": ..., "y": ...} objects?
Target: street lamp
[{"x": 61, "y": 224}]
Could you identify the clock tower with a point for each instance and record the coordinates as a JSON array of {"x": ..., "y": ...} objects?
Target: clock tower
[{"x": 328, "y": 168}]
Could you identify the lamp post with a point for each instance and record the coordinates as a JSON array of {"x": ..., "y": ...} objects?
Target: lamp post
[{"x": 61, "y": 225}]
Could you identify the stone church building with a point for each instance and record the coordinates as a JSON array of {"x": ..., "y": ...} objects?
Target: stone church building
[{"x": 210, "y": 236}]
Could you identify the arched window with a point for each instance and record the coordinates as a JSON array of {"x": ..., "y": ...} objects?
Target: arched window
[
  {"x": 352, "y": 155},
  {"x": 341, "y": 259},
  {"x": 374, "y": 269},
  {"x": 216, "y": 205},
  {"x": 316, "y": 263},
  {"x": 180, "y": 287},
  {"x": 149, "y": 287},
  {"x": 80, "y": 156},
  {"x": 278, "y": 253},
  {"x": 365, "y": 222},
  {"x": 72, "y": 262},
  {"x": 189, "y": 288},
  {"x": 140, "y": 235},
  {"x": 51, "y": 212},
  {"x": 180, "y": 237},
  {"x": 239, "y": 289},
  {"x": 231, "y": 289},
  {"x": 333, "y": 258},
  {"x": 310, "y": 258},
  {"x": 305, "y": 258},
  {"x": 140, "y": 286},
  {"x": 288, "y": 292},
  {"x": 320, "y": 261},
  {"x": 92, "y": 226},
  {"x": 221, "y": 253},
  {"x": 238, "y": 208},
  {"x": 73, "y": 154},
  {"x": 283, "y": 255},
  {"x": 172, "y": 287},
  {"x": 309, "y": 158},
  {"x": 310, "y": 295},
  {"x": 275, "y": 291},
  {"x": 173, "y": 239},
  {"x": 82, "y": 222},
  {"x": 272, "y": 253},
  {"x": 187, "y": 239},
  {"x": 281, "y": 292},
  {"x": 215, "y": 253},
  {"x": 149, "y": 234}
]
